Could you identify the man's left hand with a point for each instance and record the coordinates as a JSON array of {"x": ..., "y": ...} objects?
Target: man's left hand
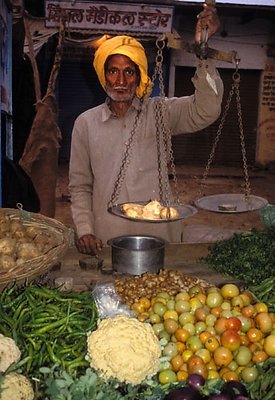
[{"x": 208, "y": 21}]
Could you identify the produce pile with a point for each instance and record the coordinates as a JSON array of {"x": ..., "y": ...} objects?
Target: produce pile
[
  {"x": 204, "y": 337},
  {"x": 172, "y": 337}
]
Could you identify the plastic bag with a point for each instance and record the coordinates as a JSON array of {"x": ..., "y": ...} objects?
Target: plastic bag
[
  {"x": 267, "y": 216},
  {"x": 108, "y": 301}
]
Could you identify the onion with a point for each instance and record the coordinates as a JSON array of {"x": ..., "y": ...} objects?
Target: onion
[
  {"x": 184, "y": 393},
  {"x": 196, "y": 381},
  {"x": 234, "y": 388}
]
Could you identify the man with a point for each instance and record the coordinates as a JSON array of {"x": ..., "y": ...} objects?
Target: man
[{"x": 101, "y": 137}]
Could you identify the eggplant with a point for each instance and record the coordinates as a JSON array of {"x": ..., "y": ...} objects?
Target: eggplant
[
  {"x": 234, "y": 389},
  {"x": 195, "y": 381},
  {"x": 184, "y": 393},
  {"x": 220, "y": 396}
]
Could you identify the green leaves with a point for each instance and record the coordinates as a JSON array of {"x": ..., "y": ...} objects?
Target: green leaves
[{"x": 249, "y": 256}]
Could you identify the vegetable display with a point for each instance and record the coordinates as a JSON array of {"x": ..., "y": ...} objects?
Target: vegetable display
[
  {"x": 249, "y": 257},
  {"x": 207, "y": 343}
]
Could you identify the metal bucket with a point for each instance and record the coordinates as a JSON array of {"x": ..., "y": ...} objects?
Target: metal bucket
[{"x": 136, "y": 255}]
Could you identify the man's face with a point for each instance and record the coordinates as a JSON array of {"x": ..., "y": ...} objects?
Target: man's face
[{"x": 122, "y": 78}]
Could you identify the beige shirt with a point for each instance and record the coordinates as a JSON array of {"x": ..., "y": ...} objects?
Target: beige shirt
[{"x": 98, "y": 145}]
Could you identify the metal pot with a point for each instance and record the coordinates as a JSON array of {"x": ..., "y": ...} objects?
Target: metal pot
[{"x": 137, "y": 254}]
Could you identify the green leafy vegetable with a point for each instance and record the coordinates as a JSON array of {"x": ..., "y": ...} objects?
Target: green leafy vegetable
[{"x": 249, "y": 257}]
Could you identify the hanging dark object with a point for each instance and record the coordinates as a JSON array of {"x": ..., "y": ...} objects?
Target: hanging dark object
[{"x": 40, "y": 157}]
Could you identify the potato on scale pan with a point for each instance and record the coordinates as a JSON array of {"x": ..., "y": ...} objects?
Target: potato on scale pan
[{"x": 151, "y": 210}]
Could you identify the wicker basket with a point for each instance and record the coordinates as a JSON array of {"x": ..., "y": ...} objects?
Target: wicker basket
[{"x": 41, "y": 264}]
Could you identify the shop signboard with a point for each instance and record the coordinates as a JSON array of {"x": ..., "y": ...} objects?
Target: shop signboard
[{"x": 98, "y": 16}]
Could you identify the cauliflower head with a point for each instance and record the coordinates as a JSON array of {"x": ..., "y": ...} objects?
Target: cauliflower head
[
  {"x": 9, "y": 352},
  {"x": 16, "y": 387},
  {"x": 124, "y": 348}
]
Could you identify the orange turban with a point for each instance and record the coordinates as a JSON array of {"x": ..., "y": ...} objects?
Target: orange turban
[{"x": 127, "y": 46}]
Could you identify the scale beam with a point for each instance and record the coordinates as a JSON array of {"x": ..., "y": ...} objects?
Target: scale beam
[{"x": 195, "y": 48}]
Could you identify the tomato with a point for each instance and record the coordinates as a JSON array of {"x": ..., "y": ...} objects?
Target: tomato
[
  {"x": 230, "y": 376},
  {"x": 216, "y": 311},
  {"x": 210, "y": 320},
  {"x": 195, "y": 365},
  {"x": 200, "y": 327},
  {"x": 163, "y": 295},
  {"x": 201, "y": 313},
  {"x": 237, "y": 302},
  {"x": 182, "y": 306},
  {"x": 244, "y": 340},
  {"x": 231, "y": 339},
  {"x": 182, "y": 376},
  {"x": 145, "y": 302},
  {"x": 143, "y": 317},
  {"x": 204, "y": 354},
  {"x": 138, "y": 308},
  {"x": 263, "y": 321},
  {"x": 180, "y": 347},
  {"x": 170, "y": 350},
  {"x": 214, "y": 299},
  {"x": 204, "y": 336},
  {"x": 201, "y": 297},
  {"x": 182, "y": 296},
  {"x": 165, "y": 335},
  {"x": 220, "y": 325},
  {"x": 261, "y": 307},
  {"x": 167, "y": 376},
  {"x": 190, "y": 328},
  {"x": 249, "y": 374},
  {"x": 246, "y": 323},
  {"x": 249, "y": 311},
  {"x": 193, "y": 343},
  {"x": 159, "y": 308},
  {"x": 194, "y": 304},
  {"x": 229, "y": 290},
  {"x": 233, "y": 323},
  {"x": 248, "y": 297},
  {"x": 269, "y": 345},
  {"x": 211, "y": 344},
  {"x": 154, "y": 318},
  {"x": 186, "y": 317},
  {"x": 259, "y": 357},
  {"x": 222, "y": 356},
  {"x": 171, "y": 314},
  {"x": 170, "y": 304},
  {"x": 157, "y": 328},
  {"x": 243, "y": 356},
  {"x": 186, "y": 355},
  {"x": 212, "y": 374},
  {"x": 176, "y": 362},
  {"x": 226, "y": 305},
  {"x": 254, "y": 335},
  {"x": 182, "y": 334}
]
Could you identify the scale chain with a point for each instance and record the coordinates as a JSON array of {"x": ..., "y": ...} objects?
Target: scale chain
[{"x": 234, "y": 89}]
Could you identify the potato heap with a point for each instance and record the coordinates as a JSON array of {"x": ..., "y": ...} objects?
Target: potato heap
[
  {"x": 20, "y": 242},
  {"x": 151, "y": 210}
]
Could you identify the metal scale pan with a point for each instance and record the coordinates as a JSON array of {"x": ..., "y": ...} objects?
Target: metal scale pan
[
  {"x": 231, "y": 203},
  {"x": 184, "y": 211}
]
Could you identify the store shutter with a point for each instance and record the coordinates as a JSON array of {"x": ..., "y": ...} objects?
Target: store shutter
[{"x": 195, "y": 148}]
